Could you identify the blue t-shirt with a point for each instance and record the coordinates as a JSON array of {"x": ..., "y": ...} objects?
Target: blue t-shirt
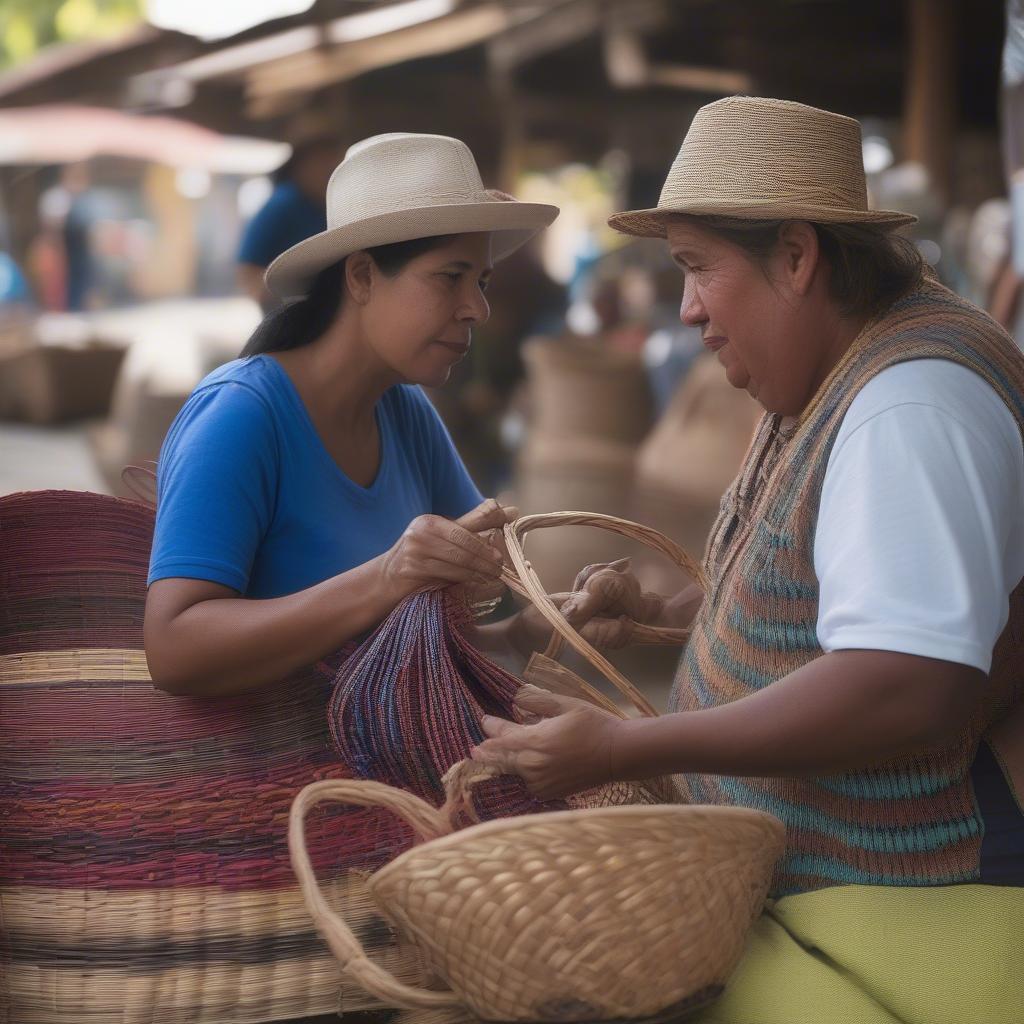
[
  {"x": 248, "y": 496},
  {"x": 287, "y": 218}
]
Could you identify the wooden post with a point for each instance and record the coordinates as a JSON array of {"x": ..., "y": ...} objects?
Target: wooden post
[
  {"x": 513, "y": 132},
  {"x": 929, "y": 104}
]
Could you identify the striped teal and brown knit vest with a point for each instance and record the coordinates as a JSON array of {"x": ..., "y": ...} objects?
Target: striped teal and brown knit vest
[{"x": 913, "y": 821}]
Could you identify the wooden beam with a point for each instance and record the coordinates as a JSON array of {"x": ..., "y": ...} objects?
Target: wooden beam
[
  {"x": 628, "y": 67},
  {"x": 721, "y": 81},
  {"x": 315, "y": 69},
  {"x": 559, "y": 24}
]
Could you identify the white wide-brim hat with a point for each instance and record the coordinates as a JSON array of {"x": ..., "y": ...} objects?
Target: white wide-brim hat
[
  {"x": 765, "y": 159},
  {"x": 396, "y": 187}
]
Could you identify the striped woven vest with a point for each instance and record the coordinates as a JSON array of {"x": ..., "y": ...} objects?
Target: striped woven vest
[{"x": 912, "y": 821}]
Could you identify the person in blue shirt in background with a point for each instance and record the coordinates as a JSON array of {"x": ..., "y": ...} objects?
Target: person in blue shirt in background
[
  {"x": 14, "y": 289},
  {"x": 308, "y": 487},
  {"x": 295, "y": 209}
]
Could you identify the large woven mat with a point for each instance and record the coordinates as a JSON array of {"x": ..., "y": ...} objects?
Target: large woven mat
[{"x": 144, "y": 871}]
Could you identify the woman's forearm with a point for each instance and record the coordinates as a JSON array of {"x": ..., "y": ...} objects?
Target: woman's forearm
[
  {"x": 230, "y": 645},
  {"x": 202, "y": 639},
  {"x": 843, "y": 711}
]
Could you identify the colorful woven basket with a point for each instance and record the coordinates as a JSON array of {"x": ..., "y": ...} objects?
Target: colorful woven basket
[{"x": 144, "y": 872}]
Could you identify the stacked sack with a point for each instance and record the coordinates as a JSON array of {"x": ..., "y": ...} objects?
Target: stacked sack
[
  {"x": 590, "y": 407},
  {"x": 689, "y": 459}
]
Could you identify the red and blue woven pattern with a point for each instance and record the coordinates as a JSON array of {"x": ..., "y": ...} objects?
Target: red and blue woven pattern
[
  {"x": 105, "y": 780},
  {"x": 144, "y": 869},
  {"x": 407, "y": 705}
]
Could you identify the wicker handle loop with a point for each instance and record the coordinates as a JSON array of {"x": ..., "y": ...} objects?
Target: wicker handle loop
[
  {"x": 524, "y": 581},
  {"x": 427, "y": 822}
]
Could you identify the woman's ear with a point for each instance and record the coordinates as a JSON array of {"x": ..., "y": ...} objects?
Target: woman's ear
[
  {"x": 799, "y": 254},
  {"x": 359, "y": 276}
]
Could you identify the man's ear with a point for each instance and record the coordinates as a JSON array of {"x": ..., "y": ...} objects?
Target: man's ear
[
  {"x": 799, "y": 254},
  {"x": 360, "y": 271}
]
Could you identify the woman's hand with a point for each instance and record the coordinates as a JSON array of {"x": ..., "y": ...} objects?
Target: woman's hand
[
  {"x": 434, "y": 551},
  {"x": 606, "y": 600},
  {"x": 570, "y": 749}
]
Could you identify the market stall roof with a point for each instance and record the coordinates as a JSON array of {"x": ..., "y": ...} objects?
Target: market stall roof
[
  {"x": 570, "y": 62},
  {"x": 66, "y": 133},
  {"x": 277, "y": 69},
  {"x": 92, "y": 67},
  {"x": 99, "y": 70}
]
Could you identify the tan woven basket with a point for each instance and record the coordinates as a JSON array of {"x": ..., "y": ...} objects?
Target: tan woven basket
[
  {"x": 601, "y": 914},
  {"x": 617, "y": 913}
]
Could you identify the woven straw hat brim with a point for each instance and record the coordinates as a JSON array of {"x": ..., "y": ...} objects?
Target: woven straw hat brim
[
  {"x": 513, "y": 224},
  {"x": 651, "y": 223}
]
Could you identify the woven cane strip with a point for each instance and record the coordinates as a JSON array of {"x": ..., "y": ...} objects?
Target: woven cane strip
[
  {"x": 548, "y": 674},
  {"x": 98, "y": 664},
  {"x": 109, "y": 964},
  {"x": 216, "y": 993},
  {"x": 525, "y": 581},
  {"x": 186, "y": 932},
  {"x": 182, "y": 916}
]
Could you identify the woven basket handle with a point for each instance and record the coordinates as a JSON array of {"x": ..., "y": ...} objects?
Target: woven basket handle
[
  {"x": 549, "y": 675},
  {"x": 525, "y": 582},
  {"x": 427, "y": 822}
]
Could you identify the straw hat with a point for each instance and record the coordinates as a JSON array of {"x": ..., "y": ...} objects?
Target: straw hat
[
  {"x": 765, "y": 159},
  {"x": 392, "y": 188}
]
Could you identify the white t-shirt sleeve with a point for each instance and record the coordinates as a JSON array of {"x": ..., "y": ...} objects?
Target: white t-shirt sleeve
[{"x": 920, "y": 536}]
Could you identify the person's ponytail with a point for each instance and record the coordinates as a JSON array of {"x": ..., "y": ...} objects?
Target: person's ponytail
[{"x": 300, "y": 321}]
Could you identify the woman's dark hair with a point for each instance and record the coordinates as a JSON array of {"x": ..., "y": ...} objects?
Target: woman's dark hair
[
  {"x": 299, "y": 321},
  {"x": 871, "y": 268}
]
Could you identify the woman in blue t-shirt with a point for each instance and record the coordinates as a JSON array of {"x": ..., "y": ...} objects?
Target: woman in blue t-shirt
[{"x": 307, "y": 488}]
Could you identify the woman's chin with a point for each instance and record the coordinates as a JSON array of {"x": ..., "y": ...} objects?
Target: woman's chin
[
  {"x": 432, "y": 378},
  {"x": 738, "y": 377}
]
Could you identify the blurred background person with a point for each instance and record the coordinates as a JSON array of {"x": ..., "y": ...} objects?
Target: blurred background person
[
  {"x": 76, "y": 231},
  {"x": 295, "y": 209}
]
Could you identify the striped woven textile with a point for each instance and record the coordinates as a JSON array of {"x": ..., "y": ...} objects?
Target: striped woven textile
[
  {"x": 407, "y": 705},
  {"x": 144, "y": 871},
  {"x": 913, "y": 821}
]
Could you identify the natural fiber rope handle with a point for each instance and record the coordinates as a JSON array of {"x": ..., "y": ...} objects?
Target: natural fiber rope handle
[
  {"x": 524, "y": 581},
  {"x": 426, "y": 821}
]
